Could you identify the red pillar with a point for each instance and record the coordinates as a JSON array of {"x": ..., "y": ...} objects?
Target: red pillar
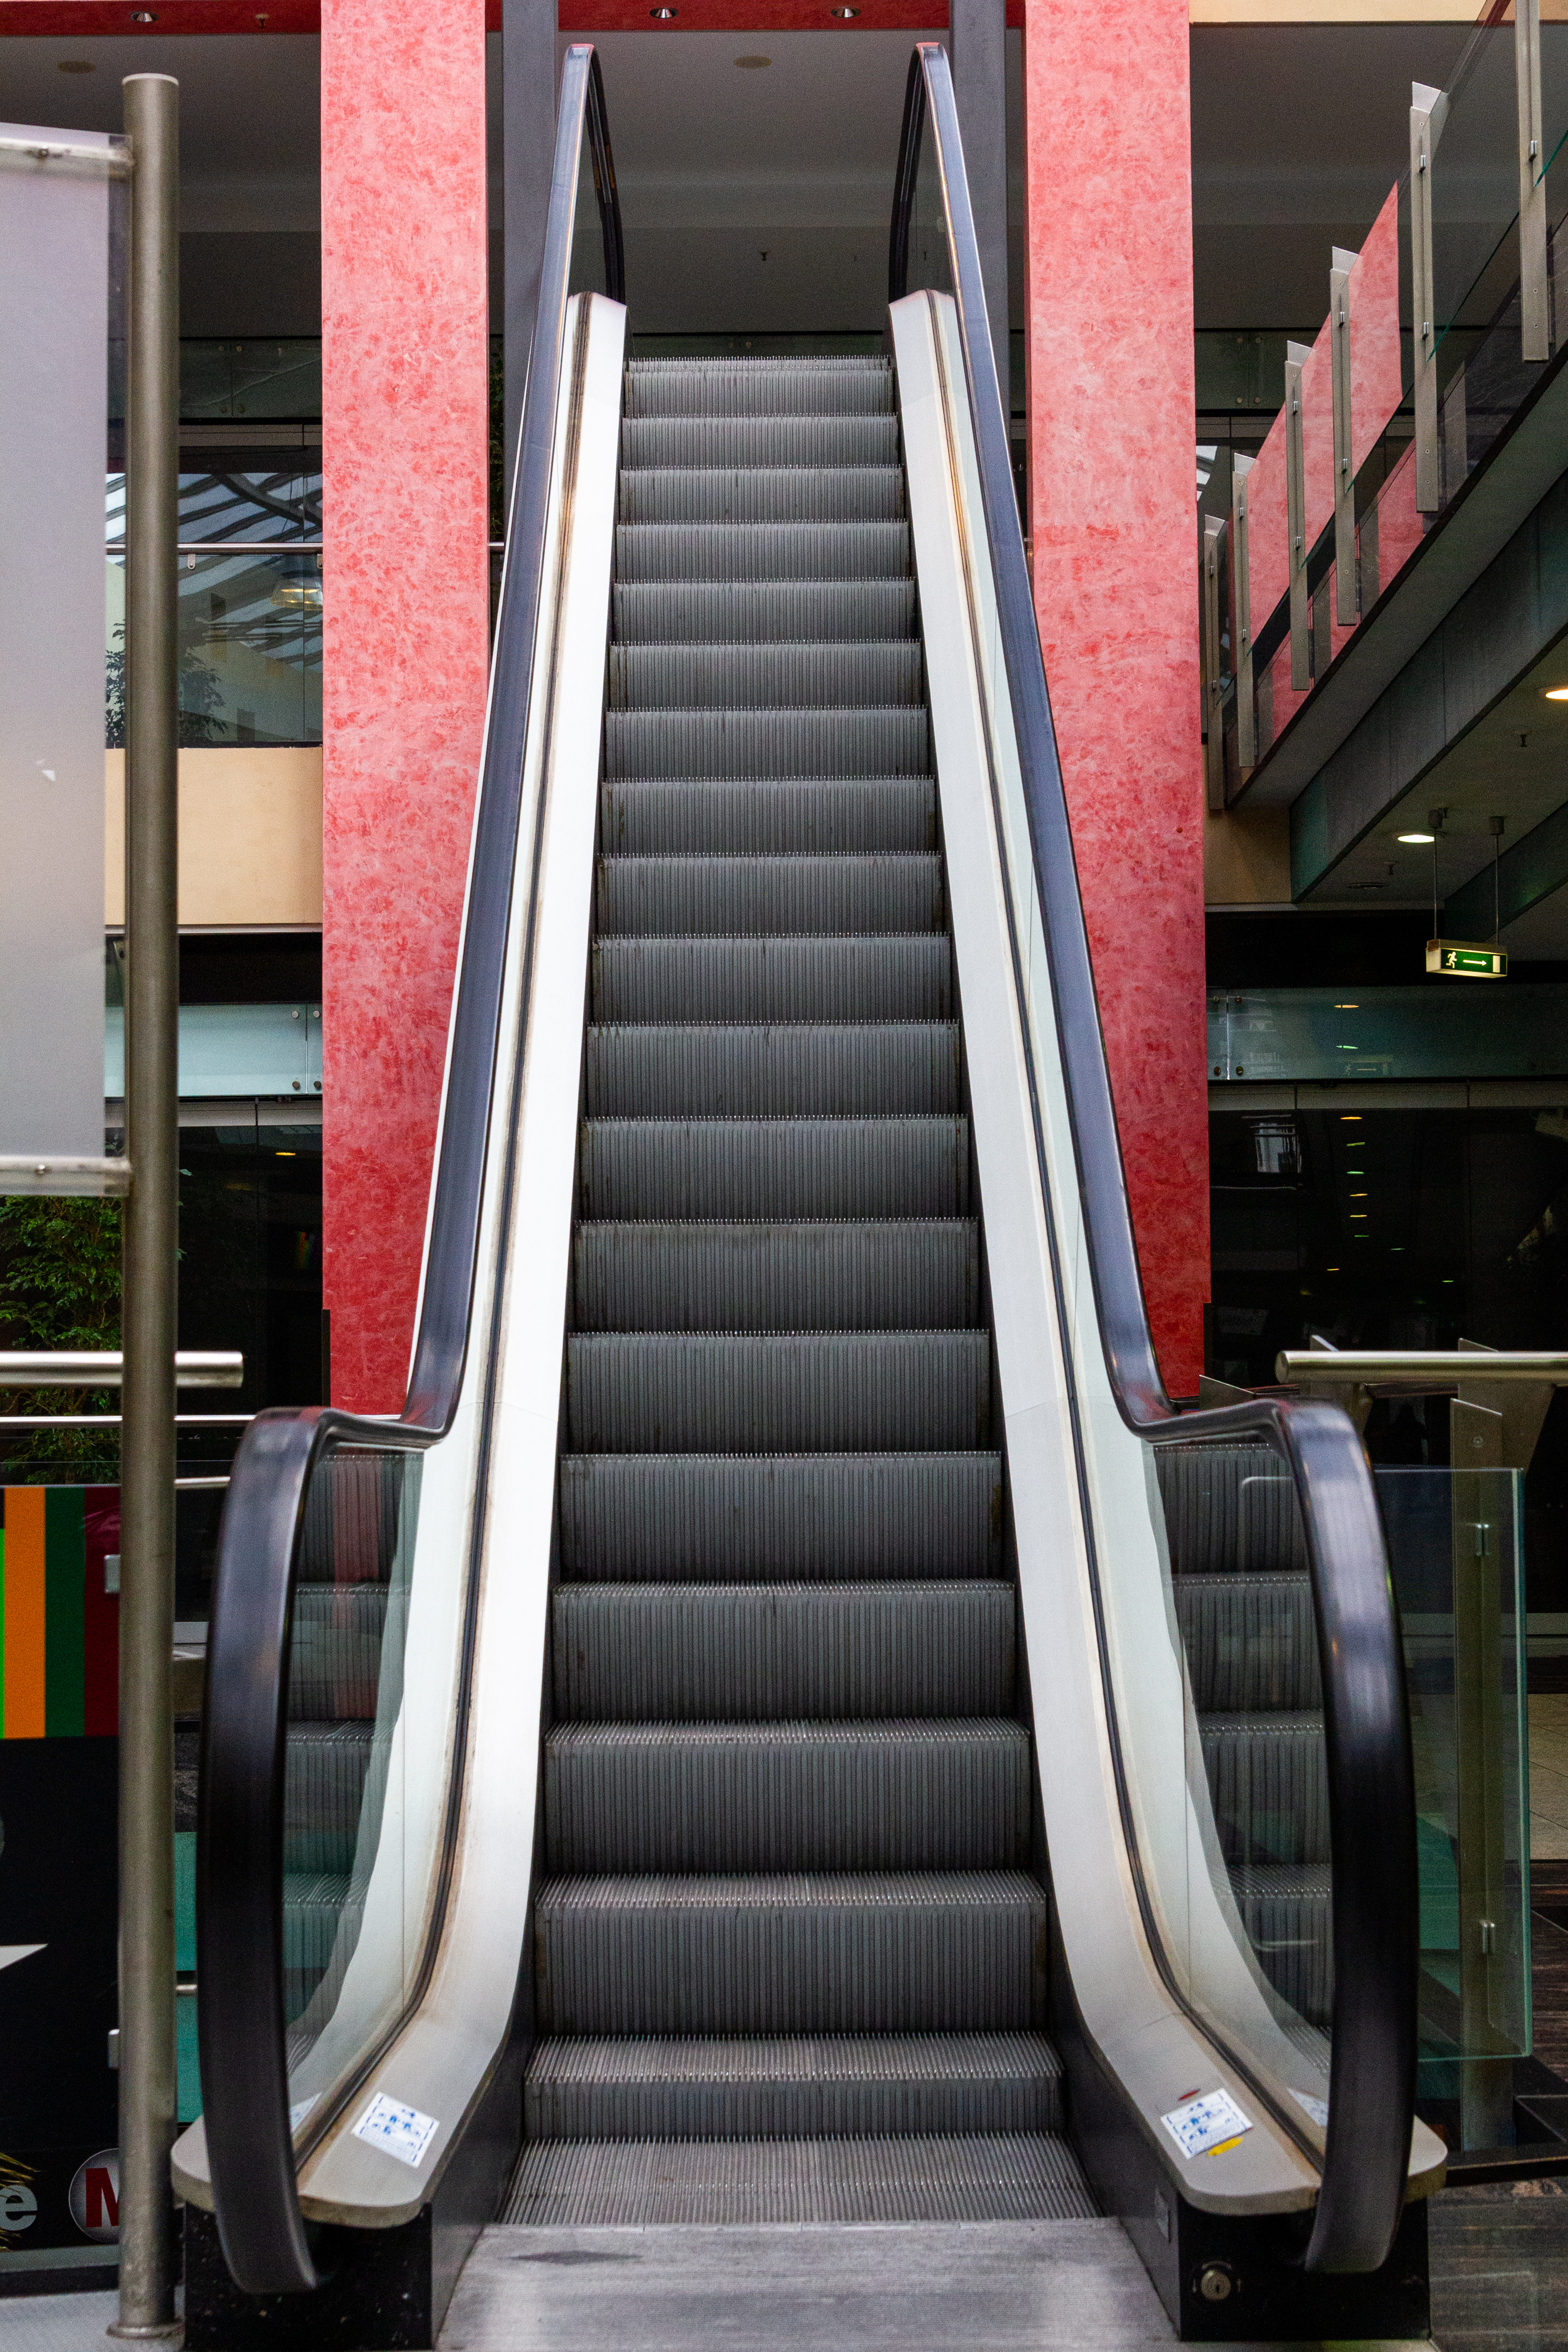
[
  {"x": 404, "y": 392},
  {"x": 1113, "y": 505}
]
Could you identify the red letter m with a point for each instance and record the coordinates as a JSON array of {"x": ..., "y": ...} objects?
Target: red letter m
[{"x": 100, "y": 2193}]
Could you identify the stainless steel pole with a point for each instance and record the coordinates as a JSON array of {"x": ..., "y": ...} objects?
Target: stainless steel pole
[{"x": 147, "y": 2075}]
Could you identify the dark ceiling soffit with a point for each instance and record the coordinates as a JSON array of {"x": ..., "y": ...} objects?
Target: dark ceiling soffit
[
  {"x": 1470, "y": 532},
  {"x": 1482, "y": 651},
  {"x": 1531, "y": 870}
]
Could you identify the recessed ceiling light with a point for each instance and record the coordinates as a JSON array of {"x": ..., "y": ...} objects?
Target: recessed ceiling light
[
  {"x": 664, "y": 13},
  {"x": 753, "y": 65},
  {"x": 144, "y": 16},
  {"x": 1349, "y": 1117},
  {"x": 1347, "y": 1008},
  {"x": 844, "y": 12},
  {"x": 76, "y": 64},
  {"x": 1555, "y": 693},
  {"x": 1417, "y": 839},
  {"x": 1331, "y": 1269}
]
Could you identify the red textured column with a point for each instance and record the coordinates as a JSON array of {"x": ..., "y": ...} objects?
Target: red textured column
[
  {"x": 404, "y": 391},
  {"x": 1110, "y": 400}
]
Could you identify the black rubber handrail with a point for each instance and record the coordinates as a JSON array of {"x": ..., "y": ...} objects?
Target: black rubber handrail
[
  {"x": 239, "y": 1866},
  {"x": 1371, "y": 1795}
]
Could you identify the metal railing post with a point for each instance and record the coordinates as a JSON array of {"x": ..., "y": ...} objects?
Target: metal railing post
[
  {"x": 1296, "y": 358},
  {"x": 1213, "y": 709},
  {"x": 1241, "y": 619},
  {"x": 1429, "y": 112},
  {"x": 1534, "y": 291},
  {"x": 1345, "y": 450},
  {"x": 148, "y": 2099}
]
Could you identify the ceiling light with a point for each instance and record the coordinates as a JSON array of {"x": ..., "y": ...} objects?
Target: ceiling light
[
  {"x": 844, "y": 12},
  {"x": 76, "y": 64},
  {"x": 1555, "y": 693},
  {"x": 1358, "y": 1196},
  {"x": 1417, "y": 840},
  {"x": 664, "y": 14},
  {"x": 1358, "y": 1216},
  {"x": 144, "y": 16},
  {"x": 1347, "y": 1008},
  {"x": 751, "y": 65},
  {"x": 1331, "y": 1269},
  {"x": 1349, "y": 1118}
]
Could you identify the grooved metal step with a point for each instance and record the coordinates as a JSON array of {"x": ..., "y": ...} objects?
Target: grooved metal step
[
  {"x": 761, "y": 551},
  {"x": 807, "y": 1952},
  {"x": 646, "y": 1277},
  {"x": 805, "y": 1069},
  {"x": 776, "y": 1392},
  {"x": 761, "y": 612},
  {"x": 850, "y": 440},
  {"x": 887, "y": 742},
  {"x": 334, "y": 1660},
  {"x": 1270, "y": 1785},
  {"x": 992, "y": 2177},
  {"x": 643, "y": 1168},
  {"x": 885, "y": 1517},
  {"x": 807, "y": 2087},
  {"x": 821, "y": 675},
  {"x": 1285, "y": 1909},
  {"x": 699, "y": 494},
  {"x": 694, "y": 1653},
  {"x": 1230, "y": 1508},
  {"x": 1251, "y": 1641},
  {"x": 326, "y": 1768},
  {"x": 882, "y": 1795},
  {"x": 828, "y": 386},
  {"x": 893, "y": 890},
  {"x": 817, "y": 816},
  {"x": 865, "y": 979}
]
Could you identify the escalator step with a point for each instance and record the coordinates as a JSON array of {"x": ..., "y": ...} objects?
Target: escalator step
[
  {"x": 1270, "y": 1785},
  {"x": 326, "y": 1768},
  {"x": 986, "y": 2177},
  {"x": 817, "y": 817},
  {"x": 1229, "y": 1507},
  {"x": 892, "y": 890},
  {"x": 828, "y": 2087},
  {"x": 761, "y": 551},
  {"x": 826, "y": 386},
  {"x": 887, "y": 742},
  {"x": 822, "y": 440},
  {"x": 1285, "y": 1909},
  {"x": 807, "y": 1952},
  {"x": 1251, "y": 1641},
  {"x": 762, "y": 1278},
  {"x": 821, "y": 674},
  {"x": 883, "y": 1795},
  {"x": 907, "y": 978},
  {"x": 775, "y": 1392},
  {"x": 695, "y": 1652},
  {"x": 906, "y": 1167},
  {"x": 820, "y": 1069},
  {"x": 811, "y": 493},
  {"x": 886, "y": 1517},
  {"x": 762, "y": 612},
  {"x": 334, "y": 1659}
]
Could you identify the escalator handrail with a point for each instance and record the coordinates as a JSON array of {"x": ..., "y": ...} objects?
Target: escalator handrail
[
  {"x": 251, "y": 2149},
  {"x": 1371, "y": 1800}
]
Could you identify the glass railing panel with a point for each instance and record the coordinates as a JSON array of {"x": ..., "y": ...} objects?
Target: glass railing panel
[
  {"x": 250, "y": 648},
  {"x": 1456, "y": 1551},
  {"x": 358, "y": 1843},
  {"x": 1475, "y": 183},
  {"x": 930, "y": 262}
]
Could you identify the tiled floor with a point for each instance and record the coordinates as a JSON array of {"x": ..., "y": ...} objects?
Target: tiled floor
[{"x": 1548, "y": 1775}]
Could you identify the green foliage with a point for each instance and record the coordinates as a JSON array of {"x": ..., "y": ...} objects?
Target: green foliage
[
  {"x": 59, "y": 1287},
  {"x": 200, "y": 696}
]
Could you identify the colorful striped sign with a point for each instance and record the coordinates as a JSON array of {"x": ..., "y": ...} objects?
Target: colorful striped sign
[{"x": 60, "y": 1630}]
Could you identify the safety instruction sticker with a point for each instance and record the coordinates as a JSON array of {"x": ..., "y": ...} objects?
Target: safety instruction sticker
[
  {"x": 1317, "y": 2108},
  {"x": 1201, "y": 2125},
  {"x": 399, "y": 2131}
]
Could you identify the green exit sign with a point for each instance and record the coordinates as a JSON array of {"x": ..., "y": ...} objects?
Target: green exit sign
[{"x": 1466, "y": 960}]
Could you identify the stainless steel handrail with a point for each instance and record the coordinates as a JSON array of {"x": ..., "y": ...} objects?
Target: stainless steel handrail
[
  {"x": 91, "y": 1368},
  {"x": 1371, "y": 1795}
]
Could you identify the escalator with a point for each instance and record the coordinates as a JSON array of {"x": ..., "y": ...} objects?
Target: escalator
[{"x": 790, "y": 1724}]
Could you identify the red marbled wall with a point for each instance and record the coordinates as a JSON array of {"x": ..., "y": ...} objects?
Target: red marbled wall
[
  {"x": 1112, "y": 484},
  {"x": 404, "y": 364}
]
